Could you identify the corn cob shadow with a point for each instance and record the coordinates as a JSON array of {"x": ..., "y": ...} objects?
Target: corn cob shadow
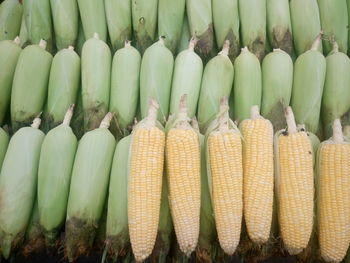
[
  {"x": 205, "y": 43},
  {"x": 282, "y": 39}
]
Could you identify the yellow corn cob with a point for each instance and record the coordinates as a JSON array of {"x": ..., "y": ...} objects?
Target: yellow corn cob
[
  {"x": 145, "y": 183},
  {"x": 224, "y": 157},
  {"x": 334, "y": 196},
  {"x": 295, "y": 186},
  {"x": 183, "y": 165},
  {"x": 258, "y": 175}
]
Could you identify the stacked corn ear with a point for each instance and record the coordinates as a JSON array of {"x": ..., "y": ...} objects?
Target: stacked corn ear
[
  {"x": 335, "y": 103},
  {"x": 333, "y": 163},
  {"x": 80, "y": 38},
  {"x": 4, "y": 141},
  {"x": 277, "y": 82},
  {"x": 88, "y": 188},
  {"x": 199, "y": 14},
  {"x": 306, "y": 24},
  {"x": 93, "y": 18},
  {"x": 294, "y": 181},
  {"x": 23, "y": 33},
  {"x": 9, "y": 53},
  {"x": 183, "y": 152},
  {"x": 18, "y": 182},
  {"x": 308, "y": 82},
  {"x": 54, "y": 175},
  {"x": 279, "y": 26},
  {"x": 118, "y": 15},
  {"x": 65, "y": 18},
  {"x": 170, "y": 20},
  {"x": 29, "y": 88},
  {"x": 185, "y": 36},
  {"x": 226, "y": 24},
  {"x": 247, "y": 90},
  {"x": 252, "y": 15},
  {"x": 95, "y": 79},
  {"x": 63, "y": 87},
  {"x": 124, "y": 87},
  {"x": 334, "y": 23},
  {"x": 216, "y": 83},
  {"x": 146, "y": 161},
  {"x": 10, "y": 19},
  {"x": 144, "y": 22},
  {"x": 188, "y": 70},
  {"x": 155, "y": 78}
]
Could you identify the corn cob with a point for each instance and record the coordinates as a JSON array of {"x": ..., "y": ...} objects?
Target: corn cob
[
  {"x": 306, "y": 24},
  {"x": 125, "y": 87},
  {"x": 185, "y": 36},
  {"x": 145, "y": 172},
  {"x": 29, "y": 86},
  {"x": 18, "y": 180},
  {"x": 63, "y": 86},
  {"x": 277, "y": 82},
  {"x": 9, "y": 53},
  {"x": 252, "y": 14},
  {"x": 4, "y": 141},
  {"x": 216, "y": 83},
  {"x": 258, "y": 175},
  {"x": 333, "y": 196},
  {"x": 118, "y": 14},
  {"x": 334, "y": 23},
  {"x": 187, "y": 79},
  {"x": 199, "y": 14},
  {"x": 93, "y": 18},
  {"x": 294, "y": 185},
  {"x": 88, "y": 188},
  {"x": 308, "y": 81},
  {"x": 10, "y": 19},
  {"x": 155, "y": 78},
  {"x": 95, "y": 77},
  {"x": 247, "y": 89},
  {"x": 170, "y": 19},
  {"x": 279, "y": 26},
  {"x": 65, "y": 17},
  {"x": 144, "y": 22},
  {"x": 183, "y": 170}
]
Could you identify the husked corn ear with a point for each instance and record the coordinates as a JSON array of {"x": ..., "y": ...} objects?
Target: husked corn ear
[
  {"x": 145, "y": 183},
  {"x": 258, "y": 175},
  {"x": 334, "y": 196}
]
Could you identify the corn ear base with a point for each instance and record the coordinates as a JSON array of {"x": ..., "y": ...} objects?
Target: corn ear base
[
  {"x": 10, "y": 19},
  {"x": 185, "y": 36},
  {"x": 4, "y": 141}
]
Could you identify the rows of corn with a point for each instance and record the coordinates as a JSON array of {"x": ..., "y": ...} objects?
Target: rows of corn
[{"x": 187, "y": 130}]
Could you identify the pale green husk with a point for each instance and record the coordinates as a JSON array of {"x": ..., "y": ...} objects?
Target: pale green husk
[
  {"x": 185, "y": 36},
  {"x": 80, "y": 39},
  {"x": 4, "y": 141},
  {"x": 10, "y": 19},
  {"x": 348, "y": 5},
  {"x": 9, "y": 53},
  {"x": 23, "y": 33}
]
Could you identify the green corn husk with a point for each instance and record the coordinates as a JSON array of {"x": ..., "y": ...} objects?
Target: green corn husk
[
  {"x": 247, "y": 90},
  {"x": 252, "y": 14},
  {"x": 4, "y": 141},
  {"x": 23, "y": 33},
  {"x": 37, "y": 15},
  {"x": 348, "y": 8},
  {"x": 308, "y": 82},
  {"x": 124, "y": 88},
  {"x": 118, "y": 14},
  {"x": 18, "y": 180},
  {"x": 187, "y": 79},
  {"x": 65, "y": 17},
  {"x": 88, "y": 188},
  {"x": 185, "y": 36},
  {"x": 144, "y": 22},
  {"x": 226, "y": 25},
  {"x": 170, "y": 20},
  {"x": 95, "y": 78},
  {"x": 199, "y": 14},
  {"x": 10, "y": 19},
  {"x": 216, "y": 83},
  {"x": 9, "y": 53},
  {"x": 155, "y": 79},
  {"x": 334, "y": 23},
  {"x": 63, "y": 87},
  {"x": 335, "y": 102},
  {"x": 80, "y": 39},
  {"x": 30, "y": 83},
  {"x": 54, "y": 174},
  {"x": 306, "y": 24},
  {"x": 93, "y": 18},
  {"x": 279, "y": 25},
  {"x": 277, "y": 82}
]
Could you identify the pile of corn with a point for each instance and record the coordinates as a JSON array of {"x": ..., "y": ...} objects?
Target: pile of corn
[{"x": 175, "y": 130}]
